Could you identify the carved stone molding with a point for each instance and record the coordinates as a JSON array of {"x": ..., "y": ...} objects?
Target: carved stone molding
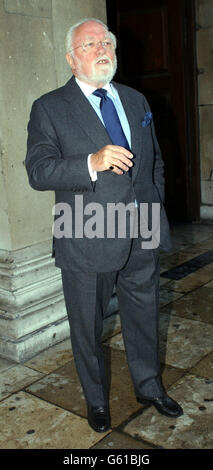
[
  {"x": 32, "y": 310},
  {"x": 33, "y": 315}
]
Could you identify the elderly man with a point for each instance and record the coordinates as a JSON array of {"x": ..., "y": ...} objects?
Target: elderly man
[{"x": 95, "y": 139}]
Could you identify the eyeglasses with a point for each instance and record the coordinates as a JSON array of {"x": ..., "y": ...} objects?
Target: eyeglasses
[{"x": 91, "y": 46}]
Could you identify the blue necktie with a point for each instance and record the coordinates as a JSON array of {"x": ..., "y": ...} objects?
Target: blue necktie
[{"x": 111, "y": 119}]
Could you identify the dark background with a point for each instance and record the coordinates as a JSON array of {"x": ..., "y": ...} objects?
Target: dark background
[{"x": 157, "y": 56}]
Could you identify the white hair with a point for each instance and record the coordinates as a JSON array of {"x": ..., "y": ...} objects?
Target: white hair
[{"x": 71, "y": 30}]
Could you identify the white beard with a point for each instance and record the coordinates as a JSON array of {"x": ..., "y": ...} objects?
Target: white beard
[{"x": 102, "y": 76}]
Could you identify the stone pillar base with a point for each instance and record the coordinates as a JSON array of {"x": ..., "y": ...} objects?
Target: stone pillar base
[
  {"x": 206, "y": 212},
  {"x": 33, "y": 315}
]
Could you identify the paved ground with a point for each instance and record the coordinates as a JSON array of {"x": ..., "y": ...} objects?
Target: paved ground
[{"x": 41, "y": 401}]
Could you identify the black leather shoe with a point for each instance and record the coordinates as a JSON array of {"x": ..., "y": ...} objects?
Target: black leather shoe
[
  {"x": 165, "y": 405},
  {"x": 98, "y": 418}
]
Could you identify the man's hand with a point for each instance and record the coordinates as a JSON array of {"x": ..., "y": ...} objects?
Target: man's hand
[{"x": 112, "y": 155}]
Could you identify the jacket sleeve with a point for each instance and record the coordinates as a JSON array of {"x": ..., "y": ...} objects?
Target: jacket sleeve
[
  {"x": 158, "y": 173},
  {"x": 46, "y": 168}
]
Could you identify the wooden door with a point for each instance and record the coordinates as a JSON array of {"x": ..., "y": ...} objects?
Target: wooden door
[{"x": 156, "y": 55}]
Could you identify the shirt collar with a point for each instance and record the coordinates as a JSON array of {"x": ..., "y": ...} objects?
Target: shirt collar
[{"x": 88, "y": 89}]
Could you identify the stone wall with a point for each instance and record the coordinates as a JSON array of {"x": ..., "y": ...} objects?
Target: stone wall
[
  {"x": 32, "y": 58},
  {"x": 204, "y": 19},
  {"x": 32, "y": 61}
]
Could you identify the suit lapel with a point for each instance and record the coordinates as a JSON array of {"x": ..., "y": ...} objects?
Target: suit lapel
[{"x": 81, "y": 110}]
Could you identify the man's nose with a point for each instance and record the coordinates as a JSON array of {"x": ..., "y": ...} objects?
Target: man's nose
[{"x": 100, "y": 45}]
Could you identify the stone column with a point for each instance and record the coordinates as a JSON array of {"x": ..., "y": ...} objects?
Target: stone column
[
  {"x": 204, "y": 9},
  {"x": 32, "y": 58}
]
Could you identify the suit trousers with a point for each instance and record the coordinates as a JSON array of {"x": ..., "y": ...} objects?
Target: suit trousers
[{"x": 87, "y": 295}]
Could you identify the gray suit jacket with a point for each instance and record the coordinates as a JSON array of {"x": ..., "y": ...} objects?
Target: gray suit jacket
[{"x": 62, "y": 131}]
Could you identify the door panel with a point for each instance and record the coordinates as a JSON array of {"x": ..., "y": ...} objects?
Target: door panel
[{"x": 153, "y": 37}]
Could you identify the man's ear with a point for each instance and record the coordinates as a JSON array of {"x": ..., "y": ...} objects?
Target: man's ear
[{"x": 70, "y": 60}]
